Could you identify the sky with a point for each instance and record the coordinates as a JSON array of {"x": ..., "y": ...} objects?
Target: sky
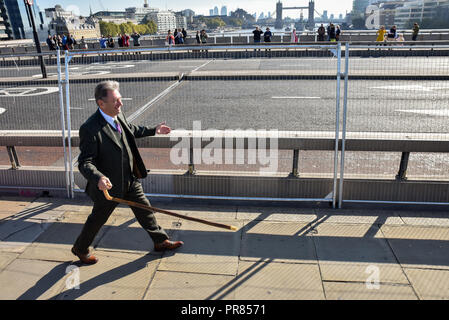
[{"x": 199, "y": 6}]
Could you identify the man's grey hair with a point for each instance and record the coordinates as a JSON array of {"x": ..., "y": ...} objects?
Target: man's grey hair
[{"x": 102, "y": 89}]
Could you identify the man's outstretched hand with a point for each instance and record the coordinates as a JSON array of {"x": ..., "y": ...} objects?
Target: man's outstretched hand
[{"x": 162, "y": 128}]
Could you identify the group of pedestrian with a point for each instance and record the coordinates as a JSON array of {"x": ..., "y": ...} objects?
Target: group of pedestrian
[
  {"x": 122, "y": 41},
  {"x": 257, "y": 35},
  {"x": 64, "y": 42},
  {"x": 392, "y": 35},
  {"x": 332, "y": 33}
]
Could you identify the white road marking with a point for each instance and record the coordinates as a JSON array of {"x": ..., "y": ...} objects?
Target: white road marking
[
  {"x": 27, "y": 92},
  {"x": 429, "y": 112},
  {"x": 2, "y": 110},
  {"x": 204, "y": 64},
  {"x": 414, "y": 87},
  {"x": 295, "y": 97}
]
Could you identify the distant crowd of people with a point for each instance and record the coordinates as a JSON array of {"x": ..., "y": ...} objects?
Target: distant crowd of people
[
  {"x": 331, "y": 33},
  {"x": 392, "y": 35},
  {"x": 122, "y": 41},
  {"x": 64, "y": 42}
]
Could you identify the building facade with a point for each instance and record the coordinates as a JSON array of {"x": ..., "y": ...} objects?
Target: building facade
[
  {"x": 417, "y": 11},
  {"x": 165, "y": 20},
  {"x": 65, "y": 22},
  {"x": 15, "y": 22}
]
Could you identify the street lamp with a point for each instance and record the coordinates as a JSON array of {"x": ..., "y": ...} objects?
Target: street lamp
[{"x": 28, "y": 4}]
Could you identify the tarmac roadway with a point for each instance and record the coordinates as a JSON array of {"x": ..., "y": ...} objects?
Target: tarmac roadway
[{"x": 374, "y": 105}]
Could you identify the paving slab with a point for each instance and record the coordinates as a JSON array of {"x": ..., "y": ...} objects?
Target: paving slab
[
  {"x": 425, "y": 218},
  {"x": 276, "y": 214},
  {"x": 168, "y": 285},
  {"x": 20, "y": 240},
  {"x": 429, "y": 284},
  {"x": 128, "y": 236},
  {"x": 277, "y": 281},
  {"x": 206, "y": 249},
  {"x": 13, "y": 204},
  {"x": 347, "y": 216},
  {"x": 351, "y": 243},
  {"x": 31, "y": 279},
  {"x": 56, "y": 242},
  {"x": 6, "y": 258},
  {"x": 356, "y": 271},
  {"x": 41, "y": 211},
  {"x": 359, "y": 291},
  {"x": 279, "y": 241},
  {"x": 423, "y": 247},
  {"x": 116, "y": 275}
]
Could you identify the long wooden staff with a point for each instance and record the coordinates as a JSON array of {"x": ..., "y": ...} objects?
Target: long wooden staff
[{"x": 143, "y": 206}]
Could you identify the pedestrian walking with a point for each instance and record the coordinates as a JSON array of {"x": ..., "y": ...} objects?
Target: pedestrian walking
[
  {"x": 120, "y": 40},
  {"x": 179, "y": 37},
  {"x": 415, "y": 31},
  {"x": 83, "y": 44},
  {"x": 321, "y": 33},
  {"x": 381, "y": 34},
  {"x": 332, "y": 33},
  {"x": 197, "y": 37},
  {"x": 267, "y": 35},
  {"x": 170, "y": 39},
  {"x": 293, "y": 36},
  {"x": 109, "y": 160},
  {"x": 50, "y": 43},
  {"x": 257, "y": 33},
  {"x": 111, "y": 43},
  {"x": 136, "y": 39},
  {"x": 337, "y": 33}
]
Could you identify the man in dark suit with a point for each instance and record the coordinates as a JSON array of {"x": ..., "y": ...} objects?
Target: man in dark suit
[{"x": 110, "y": 160}]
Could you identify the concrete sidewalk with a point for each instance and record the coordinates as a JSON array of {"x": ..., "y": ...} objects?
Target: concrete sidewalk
[{"x": 304, "y": 252}]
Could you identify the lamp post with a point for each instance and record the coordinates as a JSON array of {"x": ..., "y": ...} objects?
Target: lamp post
[{"x": 28, "y": 4}]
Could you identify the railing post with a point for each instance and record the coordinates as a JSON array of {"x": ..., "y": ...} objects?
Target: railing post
[
  {"x": 13, "y": 157},
  {"x": 191, "y": 162},
  {"x": 295, "y": 171},
  {"x": 401, "y": 176}
]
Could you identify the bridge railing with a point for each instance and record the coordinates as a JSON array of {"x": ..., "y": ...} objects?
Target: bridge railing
[{"x": 348, "y": 129}]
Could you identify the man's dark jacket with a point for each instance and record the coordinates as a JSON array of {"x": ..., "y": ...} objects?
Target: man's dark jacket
[{"x": 101, "y": 153}]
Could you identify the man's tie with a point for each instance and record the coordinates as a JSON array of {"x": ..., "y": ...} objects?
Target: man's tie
[{"x": 117, "y": 126}]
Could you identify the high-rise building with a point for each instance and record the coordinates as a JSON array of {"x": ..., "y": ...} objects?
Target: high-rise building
[
  {"x": 224, "y": 11},
  {"x": 215, "y": 11},
  {"x": 165, "y": 20},
  {"x": 359, "y": 6},
  {"x": 211, "y": 12},
  {"x": 325, "y": 17},
  {"x": 16, "y": 24}
]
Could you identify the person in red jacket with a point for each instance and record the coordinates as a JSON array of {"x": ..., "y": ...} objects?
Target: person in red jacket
[
  {"x": 125, "y": 39},
  {"x": 170, "y": 40}
]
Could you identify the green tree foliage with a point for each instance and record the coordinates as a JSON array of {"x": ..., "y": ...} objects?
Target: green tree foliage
[
  {"x": 235, "y": 22},
  {"x": 112, "y": 29},
  {"x": 214, "y": 23}
]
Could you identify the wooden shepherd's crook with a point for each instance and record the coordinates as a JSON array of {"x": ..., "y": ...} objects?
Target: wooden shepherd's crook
[{"x": 143, "y": 206}]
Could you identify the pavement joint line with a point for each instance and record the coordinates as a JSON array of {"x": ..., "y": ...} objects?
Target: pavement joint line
[
  {"x": 399, "y": 263},
  {"x": 152, "y": 277},
  {"x": 363, "y": 282}
]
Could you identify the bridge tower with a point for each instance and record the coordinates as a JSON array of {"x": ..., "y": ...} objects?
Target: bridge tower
[
  {"x": 278, "y": 24},
  {"x": 311, "y": 20}
]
